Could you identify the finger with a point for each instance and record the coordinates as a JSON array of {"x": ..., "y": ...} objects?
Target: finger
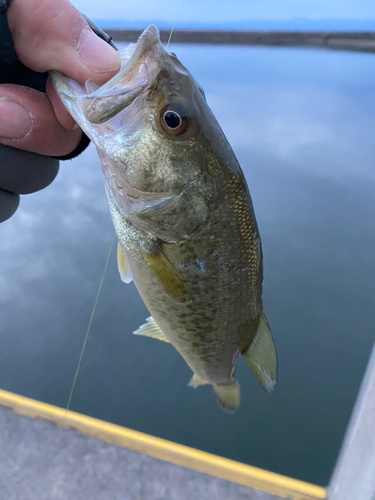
[
  {"x": 53, "y": 35},
  {"x": 62, "y": 114},
  {"x": 28, "y": 122}
]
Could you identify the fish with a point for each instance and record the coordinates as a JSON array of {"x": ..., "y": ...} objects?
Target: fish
[{"x": 182, "y": 212}]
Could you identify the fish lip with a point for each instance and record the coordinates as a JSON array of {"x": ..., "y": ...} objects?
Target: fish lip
[
  {"x": 137, "y": 69},
  {"x": 149, "y": 37},
  {"x": 94, "y": 104}
]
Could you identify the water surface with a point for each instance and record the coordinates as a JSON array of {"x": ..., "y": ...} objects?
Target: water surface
[{"x": 302, "y": 124}]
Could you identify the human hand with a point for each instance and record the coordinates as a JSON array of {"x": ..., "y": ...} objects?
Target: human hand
[{"x": 47, "y": 34}]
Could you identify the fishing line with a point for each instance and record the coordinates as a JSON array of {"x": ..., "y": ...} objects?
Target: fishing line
[
  {"x": 174, "y": 22},
  {"x": 81, "y": 355},
  {"x": 88, "y": 328}
]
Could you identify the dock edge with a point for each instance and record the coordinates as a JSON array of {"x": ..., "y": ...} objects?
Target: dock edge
[{"x": 230, "y": 470}]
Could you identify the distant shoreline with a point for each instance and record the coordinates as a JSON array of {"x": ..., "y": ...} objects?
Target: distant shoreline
[{"x": 345, "y": 40}]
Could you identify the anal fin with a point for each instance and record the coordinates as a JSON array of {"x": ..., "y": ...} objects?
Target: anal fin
[
  {"x": 123, "y": 267},
  {"x": 228, "y": 396},
  {"x": 261, "y": 355},
  {"x": 151, "y": 329}
]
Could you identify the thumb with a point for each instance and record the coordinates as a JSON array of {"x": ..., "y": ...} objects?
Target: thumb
[{"x": 50, "y": 34}]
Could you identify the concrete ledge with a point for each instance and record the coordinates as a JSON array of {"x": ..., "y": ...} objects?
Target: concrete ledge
[
  {"x": 40, "y": 461},
  {"x": 223, "y": 468}
]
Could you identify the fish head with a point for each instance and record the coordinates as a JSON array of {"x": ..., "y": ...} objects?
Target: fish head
[{"x": 155, "y": 136}]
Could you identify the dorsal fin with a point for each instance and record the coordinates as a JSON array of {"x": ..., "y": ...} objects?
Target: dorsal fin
[
  {"x": 151, "y": 329},
  {"x": 123, "y": 266},
  {"x": 261, "y": 355}
]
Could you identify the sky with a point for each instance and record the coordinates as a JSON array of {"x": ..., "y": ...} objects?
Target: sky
[{"x": 207, "y": 11}]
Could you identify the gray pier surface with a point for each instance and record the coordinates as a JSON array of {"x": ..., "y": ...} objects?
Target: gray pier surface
[
  {"x": 335, "y": 40},
  {"x": 40, "y": 461}
]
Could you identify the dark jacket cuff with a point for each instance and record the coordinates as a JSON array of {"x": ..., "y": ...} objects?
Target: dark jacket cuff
[{"x": 85, "y": 141}]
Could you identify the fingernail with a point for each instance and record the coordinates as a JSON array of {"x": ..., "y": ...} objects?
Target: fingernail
[
  {"x": 96, "y": 53},
  {"x": 15, "y": 120}
]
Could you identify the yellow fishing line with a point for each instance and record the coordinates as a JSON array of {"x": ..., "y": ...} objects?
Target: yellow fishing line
[
  {"x": 171, "y": 33},
  {"x": 81, "y": 355},
  {"x": 89, "y": 327}
]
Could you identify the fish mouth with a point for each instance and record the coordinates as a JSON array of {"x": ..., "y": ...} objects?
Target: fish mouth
[
  {"x": 93, "y": 104},
  {"x": 139, "y": 64}
]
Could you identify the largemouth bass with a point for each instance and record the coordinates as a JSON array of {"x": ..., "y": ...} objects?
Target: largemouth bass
[{"x": 182, "y": 212}]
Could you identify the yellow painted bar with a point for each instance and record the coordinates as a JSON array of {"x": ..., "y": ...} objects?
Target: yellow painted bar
[{"x": 178, "y": 454}]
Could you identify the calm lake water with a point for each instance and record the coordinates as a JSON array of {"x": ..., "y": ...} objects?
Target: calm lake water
[{"x": 302, "y": 124}]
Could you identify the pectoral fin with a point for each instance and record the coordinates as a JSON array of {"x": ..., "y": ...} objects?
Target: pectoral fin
[
  {"x": 151, "y": 329},
  {"x": 261, "y": 356},
  {"x": 123, "y": 267},
  {"x": 168, "y": 275}
]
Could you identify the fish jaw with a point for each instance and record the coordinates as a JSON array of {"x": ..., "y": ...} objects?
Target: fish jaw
[{"x": 92, "y": 105}]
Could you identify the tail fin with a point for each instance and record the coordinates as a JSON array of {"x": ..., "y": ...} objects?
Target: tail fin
[
  {"x": 228, "y": 396},
  {"x": 261, "y": 356}
]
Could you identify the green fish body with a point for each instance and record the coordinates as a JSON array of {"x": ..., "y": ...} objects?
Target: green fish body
[{"x": 182, "y": 212}]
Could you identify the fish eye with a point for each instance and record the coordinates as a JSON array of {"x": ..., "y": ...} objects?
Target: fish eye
[{"x": 173, "y": 119}]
